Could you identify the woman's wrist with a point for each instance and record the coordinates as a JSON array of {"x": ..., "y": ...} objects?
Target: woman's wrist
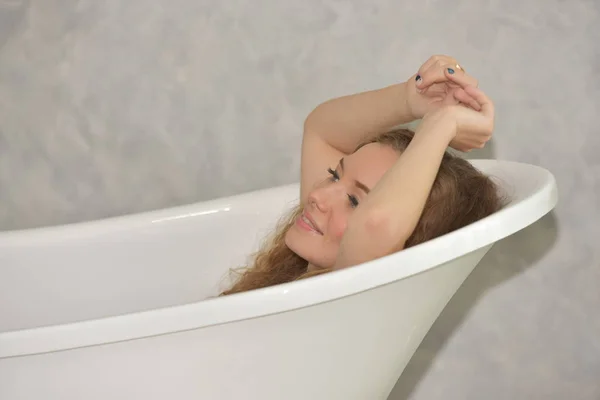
[
  {"x": 404, "y": 109},
  {"x": 439, "y": 125}
]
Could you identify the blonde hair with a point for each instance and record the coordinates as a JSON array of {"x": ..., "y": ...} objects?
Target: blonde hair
[{"x": 460, "y": 195}]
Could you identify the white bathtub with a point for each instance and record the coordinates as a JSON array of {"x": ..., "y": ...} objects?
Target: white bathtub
[{"x": 115, "y": 309}]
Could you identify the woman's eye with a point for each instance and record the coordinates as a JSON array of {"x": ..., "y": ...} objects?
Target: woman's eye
[{"x": 334, "y": 175}]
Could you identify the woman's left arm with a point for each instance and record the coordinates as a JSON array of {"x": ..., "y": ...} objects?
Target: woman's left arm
[
  {"x": 379, "y": 226},
  {"x": 389, "y": 214},
  {"x": 336, "y": 127}
]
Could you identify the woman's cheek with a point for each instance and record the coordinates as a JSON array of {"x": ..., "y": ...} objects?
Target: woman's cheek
[{"x": 338, "y": 230}]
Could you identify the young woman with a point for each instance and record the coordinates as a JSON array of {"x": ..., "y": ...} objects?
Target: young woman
[{"x": 368, "y": 190}]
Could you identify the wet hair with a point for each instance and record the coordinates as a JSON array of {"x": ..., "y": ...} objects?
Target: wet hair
[{"x": 460, "y": 195}]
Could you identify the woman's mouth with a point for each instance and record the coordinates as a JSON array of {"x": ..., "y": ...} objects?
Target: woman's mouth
[{"x": 305, "y": 222}]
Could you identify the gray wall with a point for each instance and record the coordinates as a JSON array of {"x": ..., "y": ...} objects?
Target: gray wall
[{"x": 110, "y": 107}]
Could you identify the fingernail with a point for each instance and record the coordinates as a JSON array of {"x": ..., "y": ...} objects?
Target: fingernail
[
  {"x": 450, "y": 71},
  {"x": 418, "y": 79}
]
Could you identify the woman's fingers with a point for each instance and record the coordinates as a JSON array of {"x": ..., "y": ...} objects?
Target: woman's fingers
[
  {"x": 427, "y": 64},
  {"x": 463, "y": 97},
  {"x": 446, "y": 73},
  {"x": 459, "y": 77},
  {"x": 434, "y": 63},
  {"x": 438, "y": 60},
  {"x": 487, "y": 106},
  {"x": 433, "y": 74}
]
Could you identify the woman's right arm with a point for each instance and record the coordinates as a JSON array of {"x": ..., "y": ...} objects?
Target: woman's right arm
[
  {"x": 335, "y": 128},
  {"x": 389, "y": 214}
]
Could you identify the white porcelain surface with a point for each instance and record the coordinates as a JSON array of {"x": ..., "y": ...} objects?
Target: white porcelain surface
[{"x": 113, "y": 308}]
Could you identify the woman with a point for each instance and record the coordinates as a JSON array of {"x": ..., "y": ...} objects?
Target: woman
[{"x": 367, "y": 190}]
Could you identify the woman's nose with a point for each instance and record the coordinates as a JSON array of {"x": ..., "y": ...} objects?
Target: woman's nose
[{"x": 318, "y": 199}]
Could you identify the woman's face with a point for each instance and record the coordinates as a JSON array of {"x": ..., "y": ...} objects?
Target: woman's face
[{"x": 317, "y": 233}]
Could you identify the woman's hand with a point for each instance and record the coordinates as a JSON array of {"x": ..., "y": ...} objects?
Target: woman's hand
[
  {"x": 432, "y": 87},
  {"x": 465, "y": 128}
]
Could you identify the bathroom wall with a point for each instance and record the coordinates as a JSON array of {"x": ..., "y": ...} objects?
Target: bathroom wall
[{"x": 111, "y": 107}]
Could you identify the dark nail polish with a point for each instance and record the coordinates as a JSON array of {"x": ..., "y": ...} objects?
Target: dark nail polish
[
  {"x": 418, "y": 77},
  {"x": 450, "y": 71}
]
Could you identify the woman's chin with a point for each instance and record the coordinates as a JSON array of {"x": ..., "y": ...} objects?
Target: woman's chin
[
  {"x": 313, "y": 268},
  {"x": 293, "y": 240},
  {"x": 309, "y": 247},
  {"x": 297, "y": 242}
]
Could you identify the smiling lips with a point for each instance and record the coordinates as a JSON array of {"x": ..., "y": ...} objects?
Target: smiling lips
[{"x": 306, "y": 221}]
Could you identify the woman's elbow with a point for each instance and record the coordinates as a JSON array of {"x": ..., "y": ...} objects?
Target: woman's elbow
[{"x": 386, "y": 234}]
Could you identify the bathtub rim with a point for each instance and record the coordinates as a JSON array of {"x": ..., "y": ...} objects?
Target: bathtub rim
[{"x": 289, "y": 296}]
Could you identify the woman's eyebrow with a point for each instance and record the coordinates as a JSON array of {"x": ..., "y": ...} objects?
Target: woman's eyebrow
[{"x": 358, "y": 184}]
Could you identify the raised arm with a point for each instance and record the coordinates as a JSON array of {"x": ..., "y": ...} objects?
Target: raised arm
[
  {"x": 343, "y": 122},
  {"x": 391, "y": 211},
  {"x": 336, "y": 127}
]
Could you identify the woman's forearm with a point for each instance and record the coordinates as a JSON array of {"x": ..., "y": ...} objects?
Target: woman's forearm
[
  {"x": 401, "y": 194},
  {"x": 393, "y": 208},
  {"x": 346, "y": 121}
]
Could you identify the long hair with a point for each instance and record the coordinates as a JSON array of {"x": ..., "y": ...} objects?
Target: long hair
[{"x": 460, "y": 195}]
